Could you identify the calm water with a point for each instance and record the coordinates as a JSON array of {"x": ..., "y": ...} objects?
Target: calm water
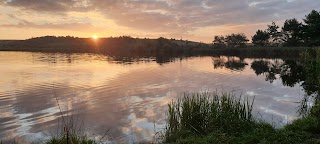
[{"x": 128, "y": 98}]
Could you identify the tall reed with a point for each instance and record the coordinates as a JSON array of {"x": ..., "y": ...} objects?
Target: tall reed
[{"x": 204, "y": 113}]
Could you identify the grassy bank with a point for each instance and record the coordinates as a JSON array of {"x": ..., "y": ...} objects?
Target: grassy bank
[
  {"x": 223, "y": 118},
  {"x": 255, "y": 52}
]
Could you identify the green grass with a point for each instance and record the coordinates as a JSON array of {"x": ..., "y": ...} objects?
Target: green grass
[
  {"x": 223, "y": 118},
  {"x": 73, "y": 139},
  {"x": 70, "y": 131}
]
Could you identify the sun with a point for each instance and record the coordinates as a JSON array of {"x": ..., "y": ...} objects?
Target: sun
[{"x": 95, "y": 37}]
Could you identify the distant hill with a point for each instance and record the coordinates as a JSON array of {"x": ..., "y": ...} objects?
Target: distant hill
[
  {"x": 117, "y": 45},
  {"x": 126, "y": 46}
]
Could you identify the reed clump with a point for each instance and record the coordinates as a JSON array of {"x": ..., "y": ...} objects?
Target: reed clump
[
  {"x": 224, "y": 118},
  {"x": 203, "y": 113},
  {"x": 71, "y": 131}
]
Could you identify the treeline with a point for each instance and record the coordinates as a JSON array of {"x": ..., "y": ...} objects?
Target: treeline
[
  {"x": 232, "y": 40},
  {"x": 292, "y": 34},
  {"x": 122, "y": 45},
  {"x": 162, "y": 48}
]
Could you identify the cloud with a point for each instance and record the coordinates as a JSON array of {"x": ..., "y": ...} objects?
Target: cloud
[
  {"x": 64, "y": 26},
  {"x": 46, "y": 5},
  {"x": 174, "y": 16},
  {"x": 60, "y": 26},
  {"x": 73, "y": 26}
]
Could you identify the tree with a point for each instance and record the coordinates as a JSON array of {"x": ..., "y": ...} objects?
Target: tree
[
  {"x": 312, "y": 28},
  {"x": 219, "y": 41},
  {"x": 276, "y": 36},
  {"x": 292, "y": 32},
  {"x": 261, "y": 38},
  {"x": 236, "y": 40}
]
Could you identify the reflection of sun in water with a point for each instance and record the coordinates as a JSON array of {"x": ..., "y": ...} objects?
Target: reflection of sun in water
[{"x": 95, "y": 37}]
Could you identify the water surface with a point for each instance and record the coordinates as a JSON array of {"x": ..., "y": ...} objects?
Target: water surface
[{"x": 126, "y": 96}]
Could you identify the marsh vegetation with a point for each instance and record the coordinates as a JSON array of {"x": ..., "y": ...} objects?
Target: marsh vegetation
[{"x": 223, "y": 118}]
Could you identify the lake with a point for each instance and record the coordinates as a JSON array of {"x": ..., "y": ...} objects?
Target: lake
[{"x": 128, "y": 97}]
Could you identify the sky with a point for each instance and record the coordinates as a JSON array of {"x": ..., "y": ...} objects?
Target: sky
[{"x": 195, "y": 20}]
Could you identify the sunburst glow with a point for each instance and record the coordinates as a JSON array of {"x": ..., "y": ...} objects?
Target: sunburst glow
[{"x": 95, "y": 37}]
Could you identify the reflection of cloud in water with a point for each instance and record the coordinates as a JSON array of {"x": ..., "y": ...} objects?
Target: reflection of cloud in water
[
  {"x": 127, "y": 99},
  {"x": 277, "y": 118},
  {"x": 145, "y": 118},
  {"x": 251, "y": 93}
]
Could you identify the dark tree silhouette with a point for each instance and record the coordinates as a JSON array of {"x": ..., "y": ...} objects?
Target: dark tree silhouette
[
  {"x": 236, "y": 40},
  {"x": 275, "y": 35},
  {"x": 261, "y": 38},
  {"x": 219, "y": 41},
  {"x": 312, "y": 28},
  {"x": 292, "y": 32}
]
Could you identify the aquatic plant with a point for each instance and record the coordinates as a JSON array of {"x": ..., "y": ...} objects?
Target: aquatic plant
[
  {"x": 224, "y": 118},
  {"x": 204, "y": 113}
]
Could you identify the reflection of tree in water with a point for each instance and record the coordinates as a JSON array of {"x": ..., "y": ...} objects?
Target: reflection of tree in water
[
  {"x": 305, "y": 72},
  {"x": 292, "y": 72},
  {"x": 289, "y": 71},
  {"x": 270, "y": 69},
  {"x": 54, "y": 58},
  {"x": 232, "y": 63},
  {"x": 160, "y": 59},
  {"x": 311, "y": 63}
]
